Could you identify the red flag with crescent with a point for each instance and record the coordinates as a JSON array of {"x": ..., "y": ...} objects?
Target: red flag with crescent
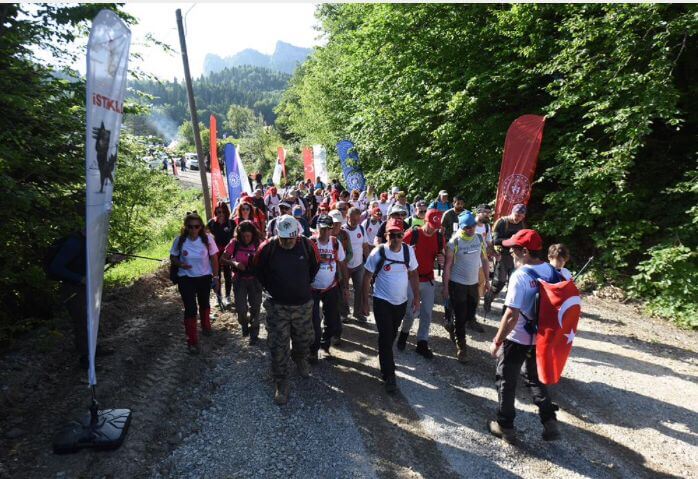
[
  {"x": 308, "y": 165},
  {"x": 558, "y": 316},
  {"x": 519, "y": 161}
]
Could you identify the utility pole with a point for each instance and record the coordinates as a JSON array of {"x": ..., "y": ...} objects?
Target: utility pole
[{"x": 194, "y": 116}]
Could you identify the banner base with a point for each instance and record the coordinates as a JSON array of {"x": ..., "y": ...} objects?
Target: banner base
[{"x": 103, "y": 429}]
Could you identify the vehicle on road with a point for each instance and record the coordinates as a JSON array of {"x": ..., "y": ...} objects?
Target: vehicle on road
[{"x": 192, "y": 161}]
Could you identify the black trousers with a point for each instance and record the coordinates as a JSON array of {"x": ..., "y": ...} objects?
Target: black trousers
[
  {"x": 508, "y": 370},
  {"x": 502, "y": 272},
  {"x": 464, "y": 299},
  {"x": 330, "y": 310},
  {"x": 388, "y": 318},
  {"x": 193, "y": 290}
]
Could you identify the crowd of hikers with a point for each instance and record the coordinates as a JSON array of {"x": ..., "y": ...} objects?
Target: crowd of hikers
[{"x": 317, "y": 256}]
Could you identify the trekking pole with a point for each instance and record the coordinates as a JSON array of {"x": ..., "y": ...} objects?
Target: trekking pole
[
  {"x": 583, "y": 267},
  {"x": 135, "y": 256}
]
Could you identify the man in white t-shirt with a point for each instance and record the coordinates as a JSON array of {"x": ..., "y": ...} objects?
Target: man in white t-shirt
[
  {"x": 394, "y": 265},
  {"x": 373, "y": 223},
  {"x": 517, "y": 340},
  {"x": 326, "y": 286},
  {"x": 355, "y": 267}
]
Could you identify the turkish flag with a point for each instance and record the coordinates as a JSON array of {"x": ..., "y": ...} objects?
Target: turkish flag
[
  {"x": 558, "y": 315},
  {"x": 308, "y": 165},
  {"x": 519, "y": 162}
]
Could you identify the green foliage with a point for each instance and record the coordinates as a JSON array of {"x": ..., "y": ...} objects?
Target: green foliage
[
  {"x": 428, "y": 91},
  {"x": 241, "y": 120}
]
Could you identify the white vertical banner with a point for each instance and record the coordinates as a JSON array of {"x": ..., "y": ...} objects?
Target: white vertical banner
[
  {"x": 244, "y": 179},
  {"x": 107, "y": 67},
  {"x": 278, "y": 169},
  {"x": 320, "y": 162}
]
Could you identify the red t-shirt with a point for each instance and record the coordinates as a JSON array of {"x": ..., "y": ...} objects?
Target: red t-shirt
[{"x": 425, "y": 250}]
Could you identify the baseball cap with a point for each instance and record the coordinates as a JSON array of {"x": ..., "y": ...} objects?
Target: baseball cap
[
  {"x": 443, "y": 193},
  {"x": 466, "y": 219},
  {"x": 336, "y": 216},
  {"x": 297, "y": 211},
  {"x": 324, "y": 221},
  {"x": 283, "y": 204},
  {"x": 529, "y": 239},
  {"x": 376, "y": 210},
  {"x": 287, "y": 226},
  {"x": 520, "y": 208},
  {"x": 421, "y": 203},
  {"x": 397, "y": 208},
  {"x": 483, "y": 207},
  {"x": 394, "y": 190},
  {"x": 433, "y": 217},
  {"x": 395, "y": 224}
]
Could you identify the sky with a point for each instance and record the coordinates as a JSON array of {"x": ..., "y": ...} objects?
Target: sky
[{"x": 223, "y": 29}]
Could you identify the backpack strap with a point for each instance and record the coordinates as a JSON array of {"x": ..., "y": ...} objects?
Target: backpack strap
[{"x": 406, "y": 255}]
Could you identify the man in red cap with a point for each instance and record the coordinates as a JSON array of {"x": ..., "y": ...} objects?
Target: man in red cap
[
  {"x": 428, "y": 244},
  {"x": 514, "y": 343},
  {"x": 394, "y": 266}
]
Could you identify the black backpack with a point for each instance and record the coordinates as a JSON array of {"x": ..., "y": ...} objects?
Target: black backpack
[
  {"x": 51, "y": 254},
  {"x": 382, "y": 259}
]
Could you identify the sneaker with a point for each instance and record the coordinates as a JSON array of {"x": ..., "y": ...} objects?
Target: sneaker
[
  {"x": 551, "y": 432},
  {"x": 423, "y": 349},
  {"x": 303, "y": 368},
  {"x": 245, "y": 330},
  {"x": 391, "y": 385},
  {"x": 402, "y": 340},
  {"x": 281, "y": 393},
  {"x": 227, "y": 300},
  {"x": 477, "y": 327},
  {"x": 507, "y": 434}
]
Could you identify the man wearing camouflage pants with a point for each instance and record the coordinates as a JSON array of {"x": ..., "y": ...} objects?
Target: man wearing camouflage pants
[{"x": 286, "y": 265}]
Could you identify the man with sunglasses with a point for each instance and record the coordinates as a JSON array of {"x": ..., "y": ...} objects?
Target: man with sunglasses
[
  {"x": 465, "y": 256},
  {"x": 397, "y": 211},
  {"x": 394, "y": 266}
]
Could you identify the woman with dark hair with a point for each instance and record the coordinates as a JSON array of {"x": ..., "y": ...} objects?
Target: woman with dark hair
[
  {"x": 247, "y": 212},
  {"x": 194, "y": 253},
  {"x": 246, "y": 288},
  {"x": 222, "y": 229}
]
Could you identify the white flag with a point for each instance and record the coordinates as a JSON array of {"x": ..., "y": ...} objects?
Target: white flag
[
  {"x": 320, "y": 162},
  {"x": 244, "y": 179},
  {"x": 107, "y": 66}
]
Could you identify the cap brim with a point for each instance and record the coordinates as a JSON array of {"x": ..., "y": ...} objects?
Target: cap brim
[{"x": 509, "y": 243}]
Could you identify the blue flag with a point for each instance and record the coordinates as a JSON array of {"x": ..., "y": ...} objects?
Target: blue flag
[
  {"x": 235, "y": 173},
  {"x": 349, "y": 158}
]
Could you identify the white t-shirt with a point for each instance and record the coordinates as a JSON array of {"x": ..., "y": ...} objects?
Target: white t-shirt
[
  {"x": 521, "y": 294},
  {"x": 327, "y": 274},
  {"x": 194, "y": 253},
  {"x": 384, "y": 208},
  {"x": 357, "y": 238},
  {"x": 371, "y": 229},
  {"x": 392, "y": 282},
  {"x": 481, "y": 229}
]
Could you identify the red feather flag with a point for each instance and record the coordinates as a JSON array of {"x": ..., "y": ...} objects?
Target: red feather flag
[
  {"x": 558, "y": 315},
  {"x": 308, "y": 166},
  {"x": 218, "y": 189}
]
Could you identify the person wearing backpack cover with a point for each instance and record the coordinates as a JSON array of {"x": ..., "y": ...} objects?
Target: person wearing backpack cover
[
  {"x": 514, "y": 344},
  {"x": 329, "y": 284},
  {"x": 355, "y": 267},
  {"x": 394, "y": 266},
  {"x": 465, "y": 256},
  {"x": 238, "y": 254},
  {"x": 286, "y": 266},
  {"x": 428, "y": 244},
  {"x": 195, "y": 255}
]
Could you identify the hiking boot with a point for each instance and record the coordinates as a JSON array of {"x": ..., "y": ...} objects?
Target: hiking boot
[
  {"x": 391, "y": 384},
  {"x": 402, "y": 340},
  {"x": 313, "y": 357},
  {"x": 423, "y": 349},
  {"x": 551, "y": 432},
  {"x": 475, "y": 326},
  {"x": 460, "y": 352},
  {"x": 487, "y": 301},
  {"x": 245, "y": 330},
  {"x": 505, "y": 433},
  {"x": 303, "y": 368},
  {"x": 281, "y": 393}
]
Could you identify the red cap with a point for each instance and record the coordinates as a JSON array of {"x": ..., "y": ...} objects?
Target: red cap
[
  {"x": 395, "y": 225},
  {"x": 529, "y": 239},
  {"x": 384, "y": 196},
  {"x": 273, "y": 190},
  {"x": 376, "y": 210},
  {"x": 248, "y": 199},
  {"x": 433, "y": 217}
]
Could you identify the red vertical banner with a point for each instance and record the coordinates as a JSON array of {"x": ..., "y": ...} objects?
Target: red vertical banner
[
  {"x": 281, "y": 153},
  {"x": 519, "y": 161},
  {"x": 218, "y": 190},
  {"x": 308, "y": 166}
]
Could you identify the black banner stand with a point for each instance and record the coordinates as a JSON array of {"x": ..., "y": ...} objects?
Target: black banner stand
[{"x": 99, "y": 429}]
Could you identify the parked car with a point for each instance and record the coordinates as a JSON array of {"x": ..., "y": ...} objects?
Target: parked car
[{"x": 192, "y": 161}]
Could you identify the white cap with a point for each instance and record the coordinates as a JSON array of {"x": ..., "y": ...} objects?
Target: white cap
[
  {"x": 287, "y": 226},
  {"x": 394, "y": 190},
  {"x": 336, "y": 216}
]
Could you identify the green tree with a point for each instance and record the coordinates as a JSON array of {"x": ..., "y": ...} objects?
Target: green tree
[{"x": 240, "y": 120}]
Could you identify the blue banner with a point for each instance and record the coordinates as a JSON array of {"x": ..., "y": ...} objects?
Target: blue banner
[
  {"x": 232, "y": 174},
  {"x": 349, "y": 158}
]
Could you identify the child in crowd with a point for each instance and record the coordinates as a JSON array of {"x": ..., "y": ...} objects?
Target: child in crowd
[{"x": 558, "y": 256}]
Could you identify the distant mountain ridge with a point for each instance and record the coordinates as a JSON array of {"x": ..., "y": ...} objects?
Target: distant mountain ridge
[{"x": 286, "y": 58}]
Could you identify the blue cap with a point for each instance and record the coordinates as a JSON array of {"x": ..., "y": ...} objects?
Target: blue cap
[{"x": 466, "y": 219}]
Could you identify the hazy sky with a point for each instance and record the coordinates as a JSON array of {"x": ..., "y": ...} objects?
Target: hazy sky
[{"x": 223, "y": 29}]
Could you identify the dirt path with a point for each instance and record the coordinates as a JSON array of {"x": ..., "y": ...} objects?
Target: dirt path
[{"x": 629, "y": 403}]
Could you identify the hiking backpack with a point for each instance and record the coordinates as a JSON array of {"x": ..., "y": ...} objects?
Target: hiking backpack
[{"x": 382, "y": 259}]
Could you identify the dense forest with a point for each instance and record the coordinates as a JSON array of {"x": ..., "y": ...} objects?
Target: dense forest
[
  {"x": 428, "y": 91},
  {"x": 256, "y": 88}
]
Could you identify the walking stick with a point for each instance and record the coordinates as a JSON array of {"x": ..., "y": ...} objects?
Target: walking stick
[{"x": 583, "y": 267}]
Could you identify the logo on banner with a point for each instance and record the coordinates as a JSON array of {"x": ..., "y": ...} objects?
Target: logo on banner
[
  {"x": 233, "y": 179},
  {"x": 355, "y": 180},
  {"x": 105, "y": 162},
  {"x": 516, "y": 188}
]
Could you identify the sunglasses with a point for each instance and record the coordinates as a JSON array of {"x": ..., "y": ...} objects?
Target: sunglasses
[
  {"x": 396, "y": 235},
  {"x": 193, "y": 227},
  {"x": 342, "y": 209},
  {"x": 245, "y": 208}
]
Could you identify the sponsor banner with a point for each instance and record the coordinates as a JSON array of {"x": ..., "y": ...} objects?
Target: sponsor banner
[
  {"x": 107, "y": 68},
  {"x": 519, "y": 162},
  {"x": 349, "y": 158},
  {"x": 320, "y": 163},
  {"x": 308, "y": 166}
]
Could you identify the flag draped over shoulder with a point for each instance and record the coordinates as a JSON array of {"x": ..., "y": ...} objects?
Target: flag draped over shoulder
[
  {"x": 519, "y": 161},
  {"x": 308, "y": 167},
  {"x": 349, "y": 158},
  {"x": 218, "y": 191},
  {"x": 107, "y": 68},
  {"x": 237, "y": 176}
]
